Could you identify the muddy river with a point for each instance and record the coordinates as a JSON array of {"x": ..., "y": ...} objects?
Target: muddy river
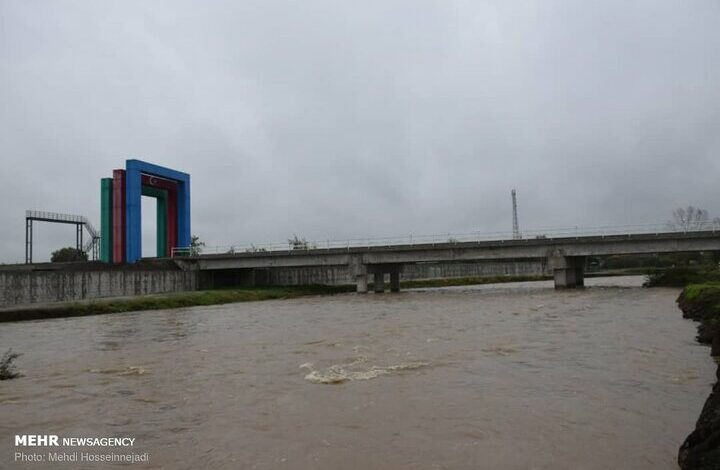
[{"x": 512, "y": 376}]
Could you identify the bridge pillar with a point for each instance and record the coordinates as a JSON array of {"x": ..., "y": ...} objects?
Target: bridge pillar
[
  {"x": 361, "y": 281},
  {"x": 395, "y": 281},
  {"x": 379, "y": 282},
  {"x": 568, "y": 271},
  {"x": 359, "y": 270},
  {"x": 379, "y": 270}
]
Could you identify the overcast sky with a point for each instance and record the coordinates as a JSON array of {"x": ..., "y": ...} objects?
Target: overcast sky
[{"x": 337, "y": 119}]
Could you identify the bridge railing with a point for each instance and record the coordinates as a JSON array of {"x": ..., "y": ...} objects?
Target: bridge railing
[
  {"x": 56, "y": 216},
  {"x": 444, "y": 238}
]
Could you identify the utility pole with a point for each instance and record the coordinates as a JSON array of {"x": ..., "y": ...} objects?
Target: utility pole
[{"x": 516, "y": 228}]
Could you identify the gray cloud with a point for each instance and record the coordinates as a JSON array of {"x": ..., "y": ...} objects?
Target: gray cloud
[{"x": 353, "y": 119}]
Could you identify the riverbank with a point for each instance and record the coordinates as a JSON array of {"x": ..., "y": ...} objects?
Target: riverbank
[
  {"x": 701, "y": 449},
  {"x": 217, "y": 297},
  {"x": 681, "y": 277},
  {"x": 163, "y": 301},
  {"x": 225, "y": 296},
  {"x": 468, "y": 281}
]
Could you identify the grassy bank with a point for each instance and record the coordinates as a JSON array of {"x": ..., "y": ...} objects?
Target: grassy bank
[
  {"x": 701, "y": 449},
  {"x": 623, "y": 272},
  {"x": 222, "y": 296},
  {"x": 217, "y": 297},
  {"x": 166, "y": 301},
  {"x": 701, "y": 302},
  {"x": 681, "y": 277},
  {"x": 468, "y": 281}
]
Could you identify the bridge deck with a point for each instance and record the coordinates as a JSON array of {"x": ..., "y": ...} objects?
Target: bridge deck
[{"x": 666, "y": 242}]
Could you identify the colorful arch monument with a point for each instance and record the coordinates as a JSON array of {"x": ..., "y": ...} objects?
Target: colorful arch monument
[{"x": 121, "y": 210}]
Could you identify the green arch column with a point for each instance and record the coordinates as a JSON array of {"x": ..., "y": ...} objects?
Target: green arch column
[
  {"x": 161, "y": 195},
  {"x": 106, "y": 203}
]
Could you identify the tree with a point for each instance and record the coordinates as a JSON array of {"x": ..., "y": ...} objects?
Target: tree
[
  {"x": 297, "y": 243},
  {"x": 689, "y": 218},
  {"x": 196, "y": 246},
  {"x": 68, "y": 254}
]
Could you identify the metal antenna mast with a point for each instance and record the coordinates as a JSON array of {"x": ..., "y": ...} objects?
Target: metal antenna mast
[{"x": 516, "y": 229}]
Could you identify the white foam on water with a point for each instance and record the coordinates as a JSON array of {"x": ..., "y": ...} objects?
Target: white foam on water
[
  {"x": 129, "y": 370},
  {"x": 340, "y": 373}
]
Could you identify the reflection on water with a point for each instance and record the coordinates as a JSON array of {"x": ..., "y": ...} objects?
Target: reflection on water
[{"x": 494, "y": 376}]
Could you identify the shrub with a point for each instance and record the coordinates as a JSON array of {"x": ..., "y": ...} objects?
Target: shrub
[
  {"x": 68, "y": 254},
  {"x": 7, "y": 368}
]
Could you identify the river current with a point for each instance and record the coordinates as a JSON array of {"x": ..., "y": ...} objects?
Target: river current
[{"x": 511, "y": 376}]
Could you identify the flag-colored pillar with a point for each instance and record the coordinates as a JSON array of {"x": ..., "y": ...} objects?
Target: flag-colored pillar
[
  {"x": 134, "y": 171},
  {"x": 161, "y": 217},
  {"x": 106, "y": 220},
  {"x": 119, "y": 216}
]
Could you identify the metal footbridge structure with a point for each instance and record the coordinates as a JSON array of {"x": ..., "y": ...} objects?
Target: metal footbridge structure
[{"x": 80, "y": 222}]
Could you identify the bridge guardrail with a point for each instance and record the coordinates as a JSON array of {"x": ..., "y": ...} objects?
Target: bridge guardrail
[{"x": 411, "y": 239}]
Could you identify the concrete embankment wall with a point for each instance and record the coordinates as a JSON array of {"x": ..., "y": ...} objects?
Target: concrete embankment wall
[
  {"x": 30, "y": 287},
  {"x": 37, "y": 284},
  {"x": 341, "y": 275}
]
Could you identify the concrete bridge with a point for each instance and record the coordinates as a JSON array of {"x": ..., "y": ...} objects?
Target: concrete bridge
[{"x": 565, "y": 255}]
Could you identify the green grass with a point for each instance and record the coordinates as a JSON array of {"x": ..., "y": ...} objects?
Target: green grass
[
  {"x": 207, "y": 297},
  {"x": 468, "y": 281},
  {"x": 681, "y": 277},
  {"x": 221, "y": 296},
  {"x": 706, "y": 292},
  {"x": 701, "y": 302},
  {"x": 169, "y": 301}
]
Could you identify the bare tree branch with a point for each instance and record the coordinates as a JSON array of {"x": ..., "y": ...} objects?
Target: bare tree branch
[{"x": 690, "y": 218}]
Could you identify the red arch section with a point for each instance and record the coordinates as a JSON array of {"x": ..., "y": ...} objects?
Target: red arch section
[
  {"x": 171, "y": 187},
  {"x": 118, "y": 215}
]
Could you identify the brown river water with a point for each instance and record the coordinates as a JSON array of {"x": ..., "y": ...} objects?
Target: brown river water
[{"x": 512, "y": 376}]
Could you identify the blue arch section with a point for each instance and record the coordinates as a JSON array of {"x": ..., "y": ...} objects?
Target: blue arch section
[{"x": 134, "y": 169}]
